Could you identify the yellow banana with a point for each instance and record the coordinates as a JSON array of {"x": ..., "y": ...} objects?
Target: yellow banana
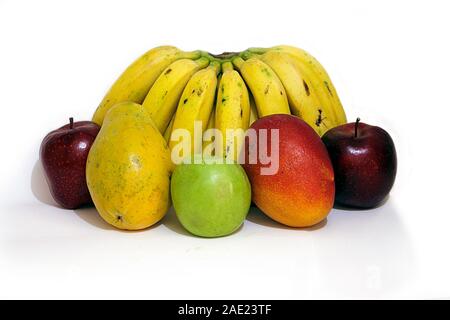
[
  {"x": 317, "y": 71},
  {"x": 163, "y": 97},
  {"x": 168, "y": 130},
  {"x": 135, "y": 82},
  {"x": 303, "y": 99},
  {"x": 232, "y": 111},
  {"x": 209, "y": 144},
  {"x": 253, "y": 110},
  {"x": 196, "y": 104},
  {"x": 266, "y": 87}
]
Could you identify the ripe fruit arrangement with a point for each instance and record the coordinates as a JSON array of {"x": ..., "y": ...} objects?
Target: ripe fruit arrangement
[
  {"x": 127, "y": 164},
  {"x": 178, "y": 87}
]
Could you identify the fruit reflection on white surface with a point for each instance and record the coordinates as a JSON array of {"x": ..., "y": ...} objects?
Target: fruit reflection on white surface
[
  {"x": 364, "y": 251},
  {"x": 351, "y": 254}
]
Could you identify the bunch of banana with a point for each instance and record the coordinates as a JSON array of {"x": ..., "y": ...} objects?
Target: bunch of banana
[
  {"x": 311, "y": 93},
  {"x": 227, "y": 92},
  {"x": 136, "y": 81}
]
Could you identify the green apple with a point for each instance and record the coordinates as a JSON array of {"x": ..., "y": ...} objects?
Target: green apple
[{"x": 210, "y": 199}]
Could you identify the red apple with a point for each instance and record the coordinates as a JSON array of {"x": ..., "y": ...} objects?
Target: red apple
[
  {"x": 364, "y": 161},
  {"x": 63, "y": 155}
]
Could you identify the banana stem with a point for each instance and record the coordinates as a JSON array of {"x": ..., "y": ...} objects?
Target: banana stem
[
  {"x": 191, "y": 54},
  {"x": 215, "y": 65},
  {"x": 202, "y": 62},
  {"x": 227, "y": 66},
  {"x": 248, "y": 54},
  {"x": 224, "y": 55},
  {"x": 258, "y": 50},
  {"x": 238, "y": 62}
]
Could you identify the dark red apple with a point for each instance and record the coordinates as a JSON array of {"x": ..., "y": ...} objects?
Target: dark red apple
[
  {"x": 63, "y": 155},
  {"x": 364, "y": 162}
]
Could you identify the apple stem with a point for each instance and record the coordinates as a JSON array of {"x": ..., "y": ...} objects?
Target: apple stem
[
  {"x": 356, "y": 127},
  {"x": 71, "y": 123}
]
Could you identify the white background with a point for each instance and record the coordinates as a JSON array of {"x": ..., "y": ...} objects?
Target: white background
[{"x": 389, "y": 62}]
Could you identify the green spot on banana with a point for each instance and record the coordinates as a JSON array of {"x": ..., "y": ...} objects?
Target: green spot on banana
[
  {"x": 267, "y": 72},
  {"x": 328, "y": 87}
]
